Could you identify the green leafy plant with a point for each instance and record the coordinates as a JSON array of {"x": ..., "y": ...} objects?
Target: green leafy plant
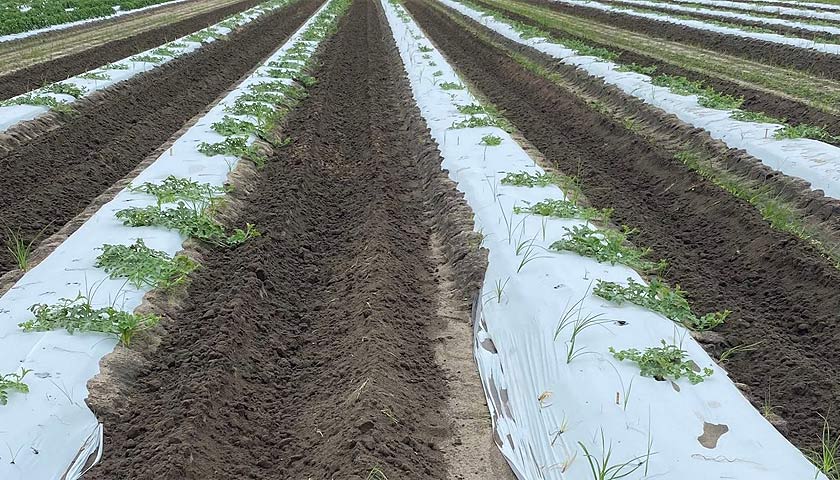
[
  {"x": 190, "y": 220},
  {"x": 607, "y": 245},
  {"x": 230, "y": 126},
  {"x": 78, "y": 314},
  {"x": 706, "y": 96},
  {"x": 12, "y": 382},
  {"x": 95, "y": 76},
  {"x": 39, "y": 100},
  {"x": 202, "y": 36},
  {"x": 665, "y": 362},
  {"x": 657, "y": 296},
  {"x": 233, "y": 146},
  {"x": 526, "y": 179},
  {"x": 451, "y": 86},
  {"x": 425, "y": 49},
  {"x": 491, "y": 140},
  {"x": 806, "y": 131},
  {"x": 147, "y": 59},
  {"x": 116, "y": 66},
  {"x": 757, "y": 117},
  {"x": 471, "y": 109},
  {"x": 164, "y": 52},
  {"x": 437, "y": 74},
  {"x": 564, "y": 209},
  {"x": 144, "y": 267},
  {"x": 175, "y": 188},
  {"x": 74, "y": 91}
]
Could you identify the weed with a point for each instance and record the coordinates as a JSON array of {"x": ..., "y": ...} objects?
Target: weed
[
  {"x": 657, "y": 296},
  {"x": 79, "y": 315},
  {"x": 602, "y": 469},
  {"x": 20, "y": 249},
  {"x": 12, "y": 382},
  {"x": 526, "y": 179},
  {"x": 564, "y": 209},
  {"x": 491, "y": 140},
  {"x": 191, "y": 221},
  {"x": 74, "y": 91},
  {"x": 376, "y": 474},
  {"x": 174, "y": 188},
  {"x": 145, "y": 267},
  {"x": 574, "y": 317},
  {"x": 236, "y": 147},
  {"x": 827, "y": 458},
  {"x": 667, "y": 361},
  {"x": 607, "y": 245},
  {"x": 95, "y": 76},
  {"x": 451, "y": 86},
  {"x": 738, "y": 349}
]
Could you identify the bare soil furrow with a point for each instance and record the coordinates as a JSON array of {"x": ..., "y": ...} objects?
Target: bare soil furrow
[
  {"x": 309, "y": 352},
  {"x": 51, "y": 178},
  {"x": 94, "y": 54},
  {"x": 719, "y": 249}
]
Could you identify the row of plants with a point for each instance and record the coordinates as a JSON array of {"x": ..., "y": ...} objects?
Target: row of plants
[
  {"x": 17, "y": 16},
  {"x": 184, "y": 205},
  {"x": 706, "y": 96},
  {"x": 164, "y": 53},
  {"x": 779, "y": 213},
  {"x": 752, "y": 13}
]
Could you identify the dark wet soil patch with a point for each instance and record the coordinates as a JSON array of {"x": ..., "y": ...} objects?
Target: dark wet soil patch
[
  {"x": 719, "y": 249},
  {"x": 51, "y": 178},
  {"x": 307, "y": 352}
]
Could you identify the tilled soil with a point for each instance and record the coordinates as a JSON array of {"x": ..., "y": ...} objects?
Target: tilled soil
[
  {"x": 48, "y": 180},
  {"x": 30, "y": 78},
  {"x": 781, "y": 293},
  {"x": 780, "y": 29},
  {"x": 308, "y": 352},
  {"x": 755, "y": 100},
  {"x": 812, "y": 61}
]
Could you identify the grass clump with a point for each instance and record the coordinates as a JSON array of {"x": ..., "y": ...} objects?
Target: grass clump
[
  {"x": 660, "y": 298},
  {"x": 175, "y": 188},
  {"x": 12, "y": 382},
  {"x": 192, "y": 221},
  {"x": 236, "y": 147},
  {"x": 78, "y": 314},
  {"x": 144, "y": 267},
  {"x": 564, "y": 209},
  {"x": 607, "y": 245},
  {"x": 665, "y": 362},
  {"x": 827, "y": 458}
]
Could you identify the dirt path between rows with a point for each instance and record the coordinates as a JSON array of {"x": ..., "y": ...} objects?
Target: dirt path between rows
[
  {"x": 719, "y": 249},
  {"x": 812, "y": 61},
  {"x": 314, "y": 350},
  {"x": 757, "y": 98},
  {"x": 87, "y": 54},
  {"x": 50, "y": 179}
]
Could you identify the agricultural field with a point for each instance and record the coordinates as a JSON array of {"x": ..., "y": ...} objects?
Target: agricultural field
[{"x": 420, "y": 239}]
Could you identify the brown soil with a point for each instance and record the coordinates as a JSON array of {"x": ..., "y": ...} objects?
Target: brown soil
[
  {"x": 719, "y": 249},
  {"x": 310, "y": 352},
  {"x": 48, "y": 180},
  {"x": 30, "y": 78},
  {"x": 754, "y": 100},
  {"x": 816, "y": 63},
  {"x": 780, "y": 29}
]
